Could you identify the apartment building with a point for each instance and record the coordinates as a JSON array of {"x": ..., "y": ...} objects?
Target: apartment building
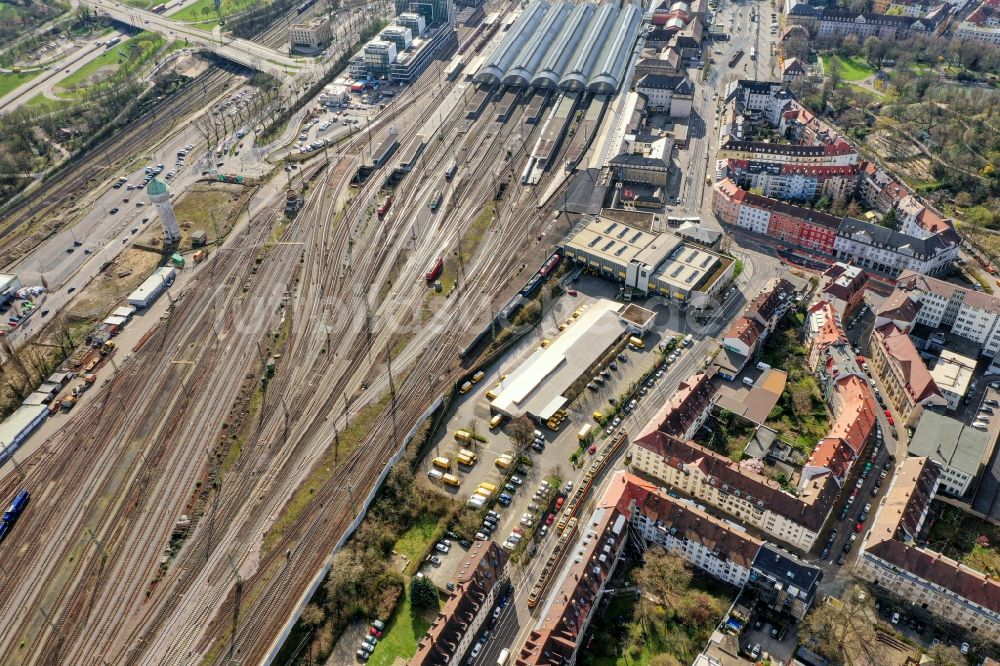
[
  {"x": 672, "y": 95},
  {"x": 982, "y": 25},
  {"x": 916, "y": 219},
  {"x": 851, "y": 432},
  {"x": 782, "y": 582},
  {"x": 891, "y": 558},
  {"x": 743, "y": 494},
  {"x": 631, "y": 506},
  {"x": 745, "y": 336},
  {"x": 688, "y": 408},
  {"x": 791, "y": 181},
  {"x": 877, "y": 248},
  {"x": 908, "y": 384},
  {"x": 481, "y": 577},
  {"x": 970, "y": 314},
  {"x": 822, "y": 329},
  {"x": 716, "y": 547},
  {"x": 578, "y": 589},
  {"x": 878, "y": 190},
  {"x": 844, "y": 288}
]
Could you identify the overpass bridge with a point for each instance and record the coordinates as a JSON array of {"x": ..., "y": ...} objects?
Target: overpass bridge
[{"x": 240, "y": 51}]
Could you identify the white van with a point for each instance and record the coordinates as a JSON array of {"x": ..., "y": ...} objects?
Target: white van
[
  {"x": 763, "y": 366},
  {"x": 435, "y": 474},
  {"x": 688, "y": 339},
  {"x": 476, "y": 501},
  {"x": 748, "y": 381}
]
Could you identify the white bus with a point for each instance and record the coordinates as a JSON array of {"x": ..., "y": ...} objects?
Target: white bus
[{"x": 502, "y": 659}]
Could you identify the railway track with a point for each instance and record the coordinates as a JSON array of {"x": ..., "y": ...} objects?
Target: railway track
[{"x": 109, "y": 487}]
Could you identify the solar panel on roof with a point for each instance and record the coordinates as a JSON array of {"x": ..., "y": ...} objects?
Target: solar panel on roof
[
  {"x": 595, "y": 240},
  {"x": 706, "y": 261},
  {"x": 635, "y": 238},
  {"x": 621, "y": 234},
  {"x": 611, "y": 227},
  {"x": 676, "y": 271},
  {"x": 690, "y": 278},
  {"x": 610, "y": 245},
  {"x": 694, "y": 253},
  {"x": 619, "y": 251}
]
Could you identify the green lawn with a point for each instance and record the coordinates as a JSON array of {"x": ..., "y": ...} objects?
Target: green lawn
[
  {"x": 139, "y": 50},
  {"x": 965, "y": 538},
  {"x": 9, "y": 82},
  {"x": 204, "y": 10},
  {"x": 402, "y": 633},
  {"x": 851, "y": 69},
  {"x": 413, "y": 543}
]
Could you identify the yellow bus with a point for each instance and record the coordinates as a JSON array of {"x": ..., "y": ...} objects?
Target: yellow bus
[
  {"x": 637, "y": 342},
  {"x": 442, "y": 462},
  {"x": 451, "y": 480},
  {"x": 488, "y": 487},
  {"x": 463, "y": 436},
  {"x": 466, "y": 460},
  {"x": 496, "y": 421},
  {"x": 504, "y": 461},
  {"x": 491, "y": 395},
  {"x": 467, "y": 453},
  {"x": 476, "y": 377},
  {"x": 482, "y": 492}
]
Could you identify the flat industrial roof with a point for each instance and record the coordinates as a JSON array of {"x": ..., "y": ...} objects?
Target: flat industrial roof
[
  {"x": 953, "y": 372},
  {"x": 673, "y": 261},
  {"x": 949, "y": 442},
  {"x": 15, "y": 424},
  {"x": 536, "y": 386}
]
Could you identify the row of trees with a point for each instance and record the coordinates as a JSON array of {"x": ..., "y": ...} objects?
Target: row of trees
[{"x": 23, "y": 16}]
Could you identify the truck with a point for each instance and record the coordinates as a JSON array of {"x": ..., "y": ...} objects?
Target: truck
[
  {"x": 465, "y": 388},
  {"x": 479, "y": 375},
  {"x": 496, "y": 421},
  {"x": 636, "y": 342},
  {"x": 386, "y": 205},
  {"x": 504, "y": 656},
  {"x": 584, "y": 433},
  {"x": 435, "y": 272},
  {"x": 736, "y": 58},
  {"x": 753, "y": 52},
  {"x": 452, "y": 169},
  {"x": 436, "y": 200}
]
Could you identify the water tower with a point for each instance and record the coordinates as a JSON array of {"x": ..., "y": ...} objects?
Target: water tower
[{"x": 160, "y": 196}]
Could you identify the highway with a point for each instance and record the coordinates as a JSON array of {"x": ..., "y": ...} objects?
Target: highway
[{"x": 241, "y": 51}]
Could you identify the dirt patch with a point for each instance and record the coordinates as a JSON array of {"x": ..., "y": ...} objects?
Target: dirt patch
[
  {"x": 895, "y": 149},
  {"x": 189, "y": 65},
  {"x": 212, "y": 207}
]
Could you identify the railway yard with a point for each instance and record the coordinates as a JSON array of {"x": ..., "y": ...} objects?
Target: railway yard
[
  {"x": 90, "y": 586},
  {"x": 189, "y": 492}
]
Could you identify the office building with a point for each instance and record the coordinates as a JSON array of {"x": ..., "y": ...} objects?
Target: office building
[{"x": 958, "y": 449}]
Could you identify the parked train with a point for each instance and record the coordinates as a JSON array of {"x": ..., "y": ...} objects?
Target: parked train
[{"x": 12, "y": 513}]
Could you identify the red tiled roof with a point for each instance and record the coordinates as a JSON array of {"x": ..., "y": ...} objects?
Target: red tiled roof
[
  {"x": 746, "y": 329},
  {"x": 854, "y": 412},
  {"x": 833, "y": 454},
  {"x": 692, "y": 397},
  {"x": 919, "y": 383}
]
